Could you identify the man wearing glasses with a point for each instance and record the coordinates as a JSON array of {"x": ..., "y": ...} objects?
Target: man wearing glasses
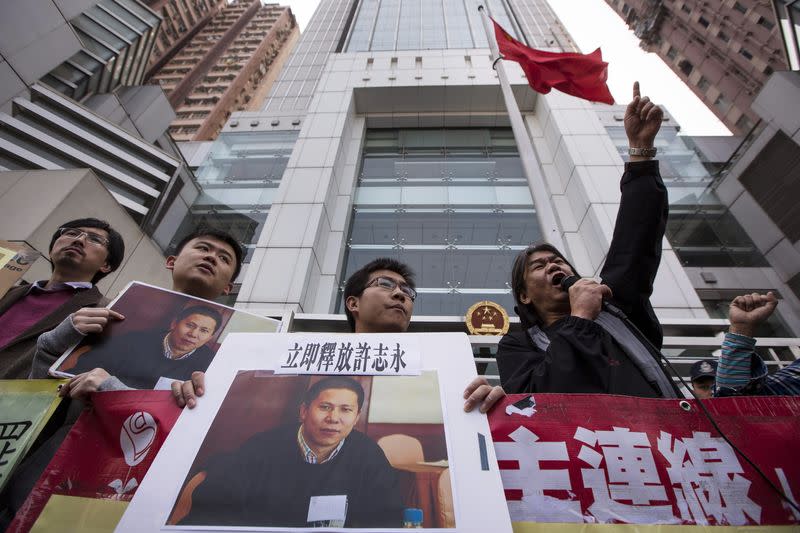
[
  {"x": 379, "y": 298},
  {"x": 82, "y": 252}
]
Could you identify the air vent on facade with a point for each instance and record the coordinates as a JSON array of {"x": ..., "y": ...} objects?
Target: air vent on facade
[
  {"x": 296, "y": 122},
  {"x": 253, "y": 123},
  {"x": 275, "y": 122},
  {"x": 234, "y": 123}
]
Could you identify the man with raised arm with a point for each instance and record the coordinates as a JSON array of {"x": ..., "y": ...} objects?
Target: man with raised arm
[
  {"x": 569, "y": 343},
  {"x": 740, "y": 370}
]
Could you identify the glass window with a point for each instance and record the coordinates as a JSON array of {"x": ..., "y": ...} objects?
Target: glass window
[
  {"x": 386, "y": 25},
  {"x": 239, "y": 179},
  {"x": 452, "y": 203},
  {"x": 672, "y": 53}
]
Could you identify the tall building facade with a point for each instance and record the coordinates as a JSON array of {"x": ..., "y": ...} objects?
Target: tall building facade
[
  {"x": 180, "y": 21},
  {"x": 219, "y": 70},
  {"x": 723, "y": 50},
  {"x": 70, "y": 99},
  {"x": 386, "y": 134}
]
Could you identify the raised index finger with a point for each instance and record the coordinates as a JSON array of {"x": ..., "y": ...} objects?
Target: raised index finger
[{"x": 636, "y": 89}]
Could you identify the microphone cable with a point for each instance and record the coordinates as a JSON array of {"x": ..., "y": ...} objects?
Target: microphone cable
[{"x": 569, "y": 281}]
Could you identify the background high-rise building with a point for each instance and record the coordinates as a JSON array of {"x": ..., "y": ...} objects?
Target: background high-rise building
[
  {"x": 74, "y": 120},
  {"x": 723, "y": 50},
  {"x": 224, "y": 66},
  {"x": 180, "y": 21}
]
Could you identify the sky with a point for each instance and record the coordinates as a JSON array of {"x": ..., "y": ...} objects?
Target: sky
[{"x": 592, "y": 23}]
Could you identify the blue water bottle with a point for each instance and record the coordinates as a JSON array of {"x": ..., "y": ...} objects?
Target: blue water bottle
[{"x": 412, "y": 518}]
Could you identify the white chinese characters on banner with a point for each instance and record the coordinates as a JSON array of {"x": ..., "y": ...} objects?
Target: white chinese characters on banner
[
  {"x": 376, "y": 355},
  {"x": 533, "y": 480},
  {"x": 630, "y": 474},
  {"x": 705, "y": 476},
  {"x": 710, "y": 483}
]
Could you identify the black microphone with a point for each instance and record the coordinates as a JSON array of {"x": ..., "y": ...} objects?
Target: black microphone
[{"x": 569, "y": 281}]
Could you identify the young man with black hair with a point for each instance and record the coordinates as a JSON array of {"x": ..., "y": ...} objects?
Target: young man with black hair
[
  {"x": 568, "y": 343},
  {"x": 323, "y": 456},
  {"x": 379, "y": 298},
  {"x": 205, "y": 264},
  {"x": 82, "y": 252}
]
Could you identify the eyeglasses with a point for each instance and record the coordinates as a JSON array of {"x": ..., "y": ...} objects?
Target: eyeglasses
[
  {"x": 389, "y": 284},
  {"x": 92, "y": 238}
]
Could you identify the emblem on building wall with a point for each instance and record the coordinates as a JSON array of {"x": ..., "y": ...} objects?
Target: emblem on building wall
[{"x": 487, "y": 318}]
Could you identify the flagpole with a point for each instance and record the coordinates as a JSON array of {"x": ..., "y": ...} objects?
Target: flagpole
[{"x": 530, "y": 163}]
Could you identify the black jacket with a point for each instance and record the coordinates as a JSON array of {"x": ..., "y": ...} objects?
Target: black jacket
[
  {"x": 582, "y": 356},
  {"x": 137, "y": 359},
  {"x": 267, "y": 482}
]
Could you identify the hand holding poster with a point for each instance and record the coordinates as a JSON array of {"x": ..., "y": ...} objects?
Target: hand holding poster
[
  {"x": 164, "y": 336},
  {"x": 344, "y": 451}
]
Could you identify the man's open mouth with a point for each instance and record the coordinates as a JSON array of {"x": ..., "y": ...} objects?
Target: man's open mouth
[{"x": 558, "y": 277}]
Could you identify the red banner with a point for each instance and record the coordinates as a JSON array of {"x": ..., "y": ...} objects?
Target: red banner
[
  {"x": 104, "y": 457},
  {"x": 614, "y": 459}
]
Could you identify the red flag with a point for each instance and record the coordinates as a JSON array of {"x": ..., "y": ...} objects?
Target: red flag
[{"x": 581, "y": 75}]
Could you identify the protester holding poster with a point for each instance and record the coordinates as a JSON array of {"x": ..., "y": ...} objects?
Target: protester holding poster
[
  {"x": 569, "y": 341},
  {"x": 82, "y": 252},
  {"x": 379, "y": 298},
  {"x": 205, "y": 265}
]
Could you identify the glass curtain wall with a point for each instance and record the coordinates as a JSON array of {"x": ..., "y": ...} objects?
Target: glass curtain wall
[
  {"x": 424, "y": 24},
  {"x": 451, "y": 203},
  {"x": 701, "y": 230},
  {"x": 239, "y": 179}
]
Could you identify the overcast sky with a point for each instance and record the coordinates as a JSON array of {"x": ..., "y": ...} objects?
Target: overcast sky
[{"x": 593, "y": 23}]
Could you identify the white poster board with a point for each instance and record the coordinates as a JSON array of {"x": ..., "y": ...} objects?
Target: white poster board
[{"x": 478, "y": 501}]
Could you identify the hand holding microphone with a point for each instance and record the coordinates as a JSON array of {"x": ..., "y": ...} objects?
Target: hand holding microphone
[{"x": 585, "y": 296}]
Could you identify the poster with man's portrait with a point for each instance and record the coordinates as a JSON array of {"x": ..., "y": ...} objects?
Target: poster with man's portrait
[
  {"x": 265, "y": 450},
  {"x": 344, "y": 441},
  {"x": 164, "y": 336}
]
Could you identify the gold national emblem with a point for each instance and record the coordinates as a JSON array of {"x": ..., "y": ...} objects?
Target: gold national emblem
[{"x": 487, "y": 318}]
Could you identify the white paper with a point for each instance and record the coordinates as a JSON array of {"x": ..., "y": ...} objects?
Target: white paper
[
  {"x": 359, "y": 355},
  {"x": 165, "y": 383},
  {"x": 324, "y": 508},
  {"x": 450, "y": 354}
]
